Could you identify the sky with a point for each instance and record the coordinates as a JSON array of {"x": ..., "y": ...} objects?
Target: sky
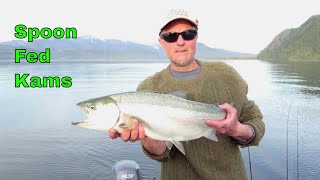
[{"x": 244, "y": 26}]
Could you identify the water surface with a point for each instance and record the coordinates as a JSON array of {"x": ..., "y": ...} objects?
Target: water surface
[{"x": 37, "y": 140}]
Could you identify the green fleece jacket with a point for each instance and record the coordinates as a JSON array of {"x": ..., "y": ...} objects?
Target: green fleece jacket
[{"x": 207, "y": 159}]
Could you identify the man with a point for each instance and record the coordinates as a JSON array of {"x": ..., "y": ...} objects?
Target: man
[{"x": 207, "y": 83}]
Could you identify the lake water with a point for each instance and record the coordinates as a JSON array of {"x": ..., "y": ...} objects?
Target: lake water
[{"x": 37, "y": 140}]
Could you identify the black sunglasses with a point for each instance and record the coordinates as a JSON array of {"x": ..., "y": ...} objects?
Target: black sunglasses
[{"x": 187, "y": 35}]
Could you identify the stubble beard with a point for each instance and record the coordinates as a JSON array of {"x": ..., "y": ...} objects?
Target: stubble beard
[{"x": 183, "y": 63}]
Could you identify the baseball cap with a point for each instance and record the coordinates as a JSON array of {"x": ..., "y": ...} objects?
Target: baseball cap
[{"x": 175, "y": 14}]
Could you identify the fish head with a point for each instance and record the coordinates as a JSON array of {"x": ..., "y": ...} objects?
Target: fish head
[{"x": 102, "y": 113}]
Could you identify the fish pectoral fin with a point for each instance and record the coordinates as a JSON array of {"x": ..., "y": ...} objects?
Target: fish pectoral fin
[
  {"x": 169, "y": 145},
  {"x": 179, "y": 145},
  {"x": 128, "y": 121},
  {"x": 124, "y": 126},
  {"x": 211, "y": 134}
]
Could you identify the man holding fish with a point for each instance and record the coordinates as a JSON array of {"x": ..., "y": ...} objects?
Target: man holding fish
[{"x": 209, "y": 83}]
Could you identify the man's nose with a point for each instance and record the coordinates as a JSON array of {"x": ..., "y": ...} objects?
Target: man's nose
[{"x": 180, "y": 40}]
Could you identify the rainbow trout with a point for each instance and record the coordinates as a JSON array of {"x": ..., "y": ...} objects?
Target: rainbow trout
[{"x": 166, "y": 117}]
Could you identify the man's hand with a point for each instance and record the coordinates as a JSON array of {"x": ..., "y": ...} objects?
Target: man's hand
[
  {"x": 137, "y": 133},
  {"x": 230, "y": 126}
]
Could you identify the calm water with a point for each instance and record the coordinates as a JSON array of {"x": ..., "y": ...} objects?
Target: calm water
[{"x": 37, "y": 140}]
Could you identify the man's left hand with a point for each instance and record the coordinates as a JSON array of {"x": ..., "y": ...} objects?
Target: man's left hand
[{"x": 230, "y": 126}]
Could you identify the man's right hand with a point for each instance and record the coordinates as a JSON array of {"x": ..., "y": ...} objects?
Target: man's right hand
[{"x": 137, "y": 133}]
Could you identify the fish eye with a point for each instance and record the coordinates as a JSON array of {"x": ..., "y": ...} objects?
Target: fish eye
[{"x": 92, "y": 107}]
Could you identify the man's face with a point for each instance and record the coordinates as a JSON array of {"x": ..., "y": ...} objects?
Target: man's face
[{"x": 181, "y": 53}]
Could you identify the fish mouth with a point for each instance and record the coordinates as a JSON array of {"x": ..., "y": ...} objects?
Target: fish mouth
[
  {"x": 81, "y": 123},
  {"x": 75, "y": 123},
  {"x": 81, "y": 104},
  {"x": 84, "y": 122}
]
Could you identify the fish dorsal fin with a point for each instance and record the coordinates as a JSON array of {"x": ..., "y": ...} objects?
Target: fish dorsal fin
[
  {"x": 179, "y": 145},
  {"x": 180, "y": 94}
]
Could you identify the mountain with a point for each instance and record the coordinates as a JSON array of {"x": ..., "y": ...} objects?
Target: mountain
[
  {"x": 302, "y": 43},
  {"x": 91, "y": 48},
  {"x": 205, "y": 52},
  {"x": 6, "y": 52}
]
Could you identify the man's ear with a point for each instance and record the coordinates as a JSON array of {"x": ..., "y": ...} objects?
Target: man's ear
[{"x": 160, "y": 41}]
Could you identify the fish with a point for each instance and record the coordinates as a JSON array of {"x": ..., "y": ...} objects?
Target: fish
[{"x": 168, "y": 117}]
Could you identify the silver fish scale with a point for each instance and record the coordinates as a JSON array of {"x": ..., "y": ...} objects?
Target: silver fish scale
[{"x": 162, "y": 99}]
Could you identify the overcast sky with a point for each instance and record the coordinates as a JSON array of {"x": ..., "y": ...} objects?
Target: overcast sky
[{"x": 243, "y": 26}]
